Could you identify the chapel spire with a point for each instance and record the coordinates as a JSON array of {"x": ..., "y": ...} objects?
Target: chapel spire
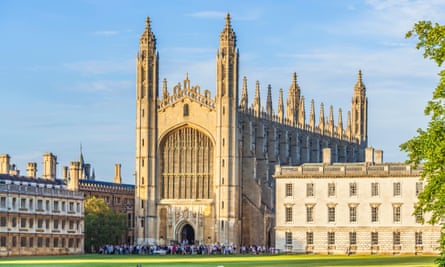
[
  {"x": 280, "y": 105},
  {"x": 293, "y": 100},
  {"x": 244, "y": 97},
  {"x": 269, "y": 109},
  {"x": 360, "y": 111},
  {"x": 257, "y": 99}
]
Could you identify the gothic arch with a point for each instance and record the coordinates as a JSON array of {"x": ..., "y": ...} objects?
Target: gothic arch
[{"x": 186, "y": 164}]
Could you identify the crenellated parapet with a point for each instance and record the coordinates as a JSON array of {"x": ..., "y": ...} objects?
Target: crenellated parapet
[{"x": 186, "y": 90}]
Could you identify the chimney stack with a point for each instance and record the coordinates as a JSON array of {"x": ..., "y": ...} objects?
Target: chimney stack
[
  {"x": 369, "y": 155},
  {"x": 327, "y": 158},
  {"x": 73, "y": 183},
  {"x": 31, "y": 170},
  {"x": 117, "y": 173},
  {"x": 378, "y": 156},
  {"x": 4, "y": 163},
  {"x": 49, "y": 166},
  {"x": 65, "y": 173}
]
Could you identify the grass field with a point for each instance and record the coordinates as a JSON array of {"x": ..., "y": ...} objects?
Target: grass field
[{"x": 215, "y": 261}]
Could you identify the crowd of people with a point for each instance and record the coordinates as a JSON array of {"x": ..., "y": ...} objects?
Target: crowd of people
[{"x": 185, "y": 249}]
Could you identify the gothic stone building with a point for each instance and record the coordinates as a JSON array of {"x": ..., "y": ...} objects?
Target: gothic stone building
[{"x": 204, "y": 164}]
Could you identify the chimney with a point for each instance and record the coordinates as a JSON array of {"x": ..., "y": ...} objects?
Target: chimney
[
  {"x": 13, "y": 170},
  {"x": 378, "y": 156},
  {"x": 31, "y": 170},
  {"x": 327, "y": 159},
  {"x": 4, "y": 163},
  {"x": 49, "y": 166},
  {"x": 369, "y": 155},
  {"x": 117, "y": 173},
  {"x": 65, "y": 173},
  {"x": 73, "y": 183}
]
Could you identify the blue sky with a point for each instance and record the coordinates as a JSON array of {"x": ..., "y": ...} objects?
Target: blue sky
[{"x": 67, "y": 68}]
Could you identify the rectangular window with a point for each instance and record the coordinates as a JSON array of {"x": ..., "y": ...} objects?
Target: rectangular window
[
  {"x": 40, "y": 223},
  {"x": 70, "y": 243},
  {"x": 3, "y": 202},
  {"x": 23, "y": 222},
  {"x": 331, "y": 214},
  {"x": 14, "y": 222},
  {"x": 352, "y": 238},
  {"x": 71, "y": 224},
  {"x": 331, "y": 238},
  {"x": 56, "y": 224},
  {"x": 396, "y": 210},
  {"x": 63, "y": 206},
  {"x": 63, "y": 224},
  {"x": 3, "y": 241},
  {"x": 71, "y": 207},
  {"x": 352, "y": 214},
  {"x": 31, "y": 242},
  {"x": 47, "y": 205},
  {"x": 419, "y": 188},
  {"x": 14, "y": 203},
  {"x": 31, "y": 204},
  {"x": 288, "y": 214},
  {"x": 352, "y": 189},
  {"x": 289, "y": 190},
  {"x": 418, "y": 237},
  {"x": 310, "y": 214},
  {"x": 419, "y": 217},
  {"x": 288, "y": 238},
  {"x": 331, "y": 189},
  {"x": 31, "y": 222},
  {"x": 374, "y": 214},
  {"x": 374, "y": 238},
  {"x": 396, "y": 189},
  {"x": 14, "y": 241},
  {"x": 39, "y": 242},
  {"x": 47, "y": 223},
  {"x": 23, "y": 203},
  {"x": 309, "y": 190},
  {"x": 23, "y": 242},
  {"x": 55, "y": 242},
  {"x": 374, "y": 189},
  {"x": 56, "y": 205},
  {"x": 78, "y": 207},
  {"x": 47, "y": 242},
  {"x": 39, "y": 204},
  {"x": 309, "y": 238},
  {"x": 3, "y": 221}
]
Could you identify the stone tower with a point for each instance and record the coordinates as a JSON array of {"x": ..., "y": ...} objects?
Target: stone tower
[
  {"x": 227, "y": 158},
  {"x": 146, "y": 136},
  {"x": 359, "y": 109}
]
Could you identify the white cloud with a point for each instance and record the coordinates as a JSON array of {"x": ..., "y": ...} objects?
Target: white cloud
[
  {"x": 105, "y": 33},
  {"x": 101, "y": 66},
  {"x": 102, "y": 86},
  {"x": 208, "y": 14}
]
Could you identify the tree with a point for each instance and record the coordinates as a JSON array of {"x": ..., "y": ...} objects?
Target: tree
[
  {"x": 102, "y": 225},
  {"x": 428, "y": 147}
]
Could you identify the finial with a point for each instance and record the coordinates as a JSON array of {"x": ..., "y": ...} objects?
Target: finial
[
  {"x": 147, "y": 23},
  {"x": 186, "y": 76},
  {"x": 360, "y": 75},
  {"x": 295, "y": 77},
  {"x": 228, "y": 19}
]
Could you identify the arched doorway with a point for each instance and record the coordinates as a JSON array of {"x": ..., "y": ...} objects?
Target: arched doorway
[{"x": 187, "y": 234}]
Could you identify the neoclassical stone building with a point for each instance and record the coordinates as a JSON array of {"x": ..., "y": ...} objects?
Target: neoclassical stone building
[
  {"x": 204, "y": 164},
  {"x": 358, "y": 208}
]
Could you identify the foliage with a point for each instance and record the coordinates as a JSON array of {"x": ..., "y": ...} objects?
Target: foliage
[
  {"x": 102, "y": 225},
  {"x": 428, "y": 147}
]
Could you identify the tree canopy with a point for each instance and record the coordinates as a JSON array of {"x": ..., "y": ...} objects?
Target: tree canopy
[
  {"x": 102, "y": 225},
  {"x": 428, "y": 147}
]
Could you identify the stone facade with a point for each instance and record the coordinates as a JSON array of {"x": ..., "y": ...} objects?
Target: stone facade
[
  {"x": 361, "y": 208},
  {"x": 204, "y": 164},
  {"x": 38, "y": 216}
]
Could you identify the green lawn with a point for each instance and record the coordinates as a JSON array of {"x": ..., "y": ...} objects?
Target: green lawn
[{"x": 215, "y": 261}]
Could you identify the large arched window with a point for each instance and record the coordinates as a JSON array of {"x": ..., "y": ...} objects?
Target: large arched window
[{"x": 186, "y": 165}]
